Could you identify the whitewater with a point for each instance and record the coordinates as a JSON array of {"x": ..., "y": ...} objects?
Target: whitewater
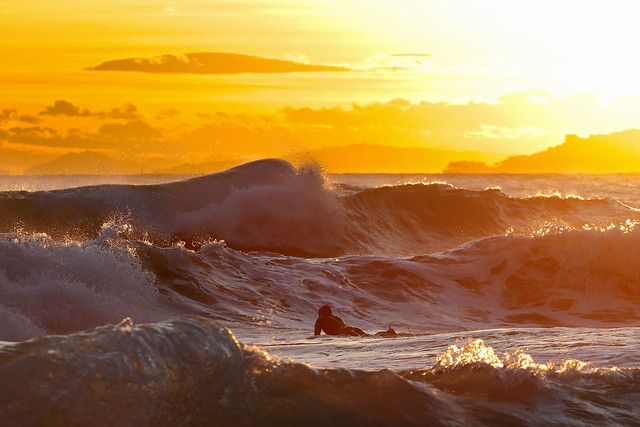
[{"x": 191, "y": 301}]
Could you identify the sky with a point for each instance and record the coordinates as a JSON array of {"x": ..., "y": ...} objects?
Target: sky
[{"x": 168, "y": 82}]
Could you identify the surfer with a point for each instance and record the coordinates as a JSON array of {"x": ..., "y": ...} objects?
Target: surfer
[
  {"x": 388, "y": 333},
  {"x": 333, "y": 325}
]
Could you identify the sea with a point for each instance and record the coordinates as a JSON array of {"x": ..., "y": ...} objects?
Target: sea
[{"x": 191, "y": 301}]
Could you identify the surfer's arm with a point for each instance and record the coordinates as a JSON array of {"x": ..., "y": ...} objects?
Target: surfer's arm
[{"x": 317, "y": 328}]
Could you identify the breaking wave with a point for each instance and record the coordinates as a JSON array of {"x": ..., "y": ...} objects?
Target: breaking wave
[
  {"x": 572, "y": 278},
  {"x": 269, "y": 205},
  {"x": 191, "y": 371},
  {"x": 260, "y": 247}
]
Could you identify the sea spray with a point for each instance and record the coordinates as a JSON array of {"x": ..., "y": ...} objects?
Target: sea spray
[
  {"x": 192, "y": 371},
  {"x": 269, "y": 205},
  {"x": 537, "y": 291},
  {"x": 51, "y": 287}
]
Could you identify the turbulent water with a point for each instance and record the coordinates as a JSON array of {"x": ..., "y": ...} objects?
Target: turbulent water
[{"x": 515, "y": 298}]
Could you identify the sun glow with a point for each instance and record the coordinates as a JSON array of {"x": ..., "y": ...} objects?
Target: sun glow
[{"x": 470, "y": 82}]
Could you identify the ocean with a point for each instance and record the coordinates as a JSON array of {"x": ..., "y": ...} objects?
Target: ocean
[{"x": 189, "y": 301}]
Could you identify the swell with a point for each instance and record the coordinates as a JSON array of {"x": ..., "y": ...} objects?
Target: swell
[
  {"x": 425, "y": 218},
  {"x": 191, "y": 371},
  {"x": 571, "y": 278},
  {"x": 271, "y": 206},
  {"x": 170, "y": 373},
  {"x": 80, "y": 213}
]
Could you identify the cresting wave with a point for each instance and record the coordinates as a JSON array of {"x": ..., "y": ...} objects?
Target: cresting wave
[
  {"x": 191, "y": 371},
  {"x": 551, "y": 278},
  {"x": 573, "y": 278},
  {"x": 50, "y": 287},
  {"x": 269, "y": 205}
]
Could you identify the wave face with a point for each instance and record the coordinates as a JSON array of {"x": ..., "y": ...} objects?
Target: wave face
[
  {"x": 169, "y": 373},
  {"x": 575, "y": 278},
  {"x": 191, "y": 371},
  {"x": 423, "y": 218},
  {"x": 551, "y": 281},
  {"x": 271, "y": 206}
]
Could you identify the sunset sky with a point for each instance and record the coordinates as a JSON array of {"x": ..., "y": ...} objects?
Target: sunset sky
[{"x": 170, "y": 82}]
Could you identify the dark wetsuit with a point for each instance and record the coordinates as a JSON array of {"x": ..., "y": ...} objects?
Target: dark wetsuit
[{"x": 333, "y": 325}]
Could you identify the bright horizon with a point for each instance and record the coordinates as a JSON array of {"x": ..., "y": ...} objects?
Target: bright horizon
[{"x": 163, "y": 83}]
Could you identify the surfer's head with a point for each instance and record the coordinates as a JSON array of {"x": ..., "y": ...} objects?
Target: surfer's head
[{"x": 325, "y": 310}]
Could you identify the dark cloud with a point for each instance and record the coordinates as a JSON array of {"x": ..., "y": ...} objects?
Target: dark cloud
[
  {"x": 29, "y": 119},
  {"x": 9, "y": 115},
  {"x": 45, "y": 136},
  {"x": 65, "y": 108},
  {"x": 132, "y": 130},
  {"x": 31, "y": 131},
  {"x": 131, "y": 137},
  {"x": 127, "y": 112},
  {"x": 211, "y": 63}
]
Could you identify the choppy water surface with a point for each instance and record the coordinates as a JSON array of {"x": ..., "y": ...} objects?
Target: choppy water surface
[{"x": 516, "y": 299}]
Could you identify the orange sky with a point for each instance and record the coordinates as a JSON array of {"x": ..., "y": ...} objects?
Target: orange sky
[{"x": 145, "y": 78}]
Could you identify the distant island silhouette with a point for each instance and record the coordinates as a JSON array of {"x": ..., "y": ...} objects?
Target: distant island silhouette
[{"x": 617, "y": 152}]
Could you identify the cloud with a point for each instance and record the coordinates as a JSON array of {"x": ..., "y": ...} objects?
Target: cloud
[
  {"x": 409, "y": 61},
  {"x": 131, "y": 130},
  {"x": 127, "y": 111},
  {"x": 412, "y": 55},
  {"x": 127, "y": 136},
  {"x": 167, "y": 114},
  {"x": 44, "y": 137},
  {"x": 65, "y": 108},
  {"x": 10, "y": 115},
  {"x": 527, "y": 109},
  {"x": 520, "y": 123},
  {"x": 28, "y": 132},
  {"x": 211, "y": 63},
  {"x": 28, "y": 119}
]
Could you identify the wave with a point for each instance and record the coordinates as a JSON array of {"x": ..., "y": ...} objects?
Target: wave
[
  {"x": 191, "y": 371},
  {"x": 51, "y": 287},
  {"x": 271, "y": 206},
  {"x": 157, "y": 374},
  {"x": 421, "y": 218},
  {"x": 571, "y": 278}
]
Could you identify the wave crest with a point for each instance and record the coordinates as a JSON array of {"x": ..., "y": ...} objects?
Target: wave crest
[{"x": 272, "y": 206}]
